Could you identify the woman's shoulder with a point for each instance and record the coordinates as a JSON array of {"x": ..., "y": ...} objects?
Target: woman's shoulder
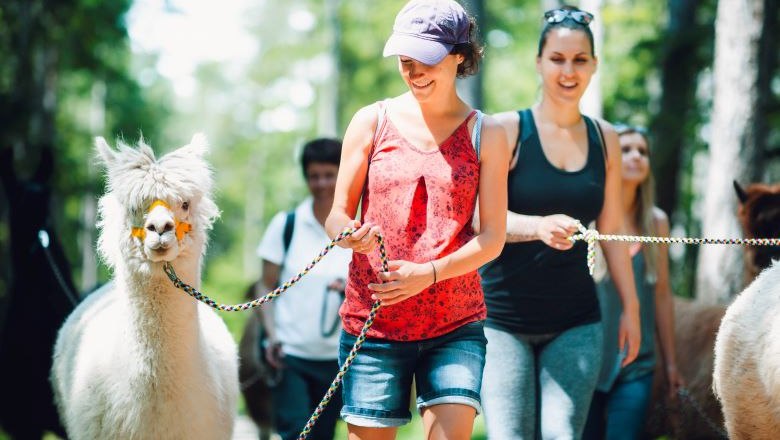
[
  {"x": 367, "y": 115},
  {"x": 497, "y": 120},
  {"x": 610, "y": 137},
  {"x": 507, "y": 122},
  {"x": 494, "y": 135},
  {"x": 361, "y": 129},
  {"x": 507, "y": 118},
  {"x": 605, "y": 126},
  {"x": 661, "y": 220}
]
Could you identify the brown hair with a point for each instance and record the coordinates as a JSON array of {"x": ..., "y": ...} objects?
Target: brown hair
[
  {"x": 644, "y": 205},
  {"x": 472, "y": 52}
]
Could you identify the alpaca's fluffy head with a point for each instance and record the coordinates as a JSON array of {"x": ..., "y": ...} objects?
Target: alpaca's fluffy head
[{"x": 135, "y": 180}]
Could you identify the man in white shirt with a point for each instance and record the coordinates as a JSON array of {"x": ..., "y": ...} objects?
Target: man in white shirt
[{"x": 302, "y": 324}]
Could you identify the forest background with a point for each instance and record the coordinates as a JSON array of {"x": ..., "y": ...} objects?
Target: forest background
[{"x": 700, "y": 74}]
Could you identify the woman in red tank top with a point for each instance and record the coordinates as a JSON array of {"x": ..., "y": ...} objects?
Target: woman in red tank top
[{"x": 417, "y": 164}]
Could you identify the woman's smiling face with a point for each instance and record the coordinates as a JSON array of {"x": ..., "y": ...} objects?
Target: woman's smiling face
[
  {"x": 423, "y": 80},
  {"x": 566, "y": 64}
]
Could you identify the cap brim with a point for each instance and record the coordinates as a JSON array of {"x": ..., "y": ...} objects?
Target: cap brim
[{"x": 425, "y": 51}]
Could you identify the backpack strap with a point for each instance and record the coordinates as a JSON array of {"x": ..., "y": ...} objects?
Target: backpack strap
[
  {"x": 289, "y": 225},
  {"x": 476, "y": 135}
]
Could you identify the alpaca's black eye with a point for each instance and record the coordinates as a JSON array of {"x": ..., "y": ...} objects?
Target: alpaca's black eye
[{"x": 185, "y": 206}]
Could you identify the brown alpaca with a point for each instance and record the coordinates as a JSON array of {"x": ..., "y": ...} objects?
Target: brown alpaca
[
  {"x": 696, "y": 326},
  {"x": 759, "y": 215}
]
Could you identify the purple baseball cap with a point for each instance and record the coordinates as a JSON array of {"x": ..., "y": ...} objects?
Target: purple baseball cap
[{"x": 427, "y": 30}]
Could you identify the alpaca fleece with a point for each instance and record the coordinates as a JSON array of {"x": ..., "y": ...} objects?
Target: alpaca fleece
[{"x": 139, "y": 359}]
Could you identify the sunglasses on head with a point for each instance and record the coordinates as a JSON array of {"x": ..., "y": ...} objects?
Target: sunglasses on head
[
  {"x": 558, "y": 15},
  {"x": 621, "y": 129}
]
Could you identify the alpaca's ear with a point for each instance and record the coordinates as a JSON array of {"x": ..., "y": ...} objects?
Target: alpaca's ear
[
  {"x": 104, "y": 151},
  {"x": 741, "y": 194},
  {"x": 198, "y": 145}
]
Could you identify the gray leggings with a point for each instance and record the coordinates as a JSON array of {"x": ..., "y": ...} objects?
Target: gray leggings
[{"x": 540, "y": 386}]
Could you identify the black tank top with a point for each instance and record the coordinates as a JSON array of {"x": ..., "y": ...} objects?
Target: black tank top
[{"x": 532, "y": 288}]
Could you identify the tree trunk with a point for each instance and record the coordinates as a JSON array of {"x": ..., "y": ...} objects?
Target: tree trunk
[
  {"x": 470, "y": 88},
  {"x": 679, "y": 68},
  {"x": 733, "y": 150}
]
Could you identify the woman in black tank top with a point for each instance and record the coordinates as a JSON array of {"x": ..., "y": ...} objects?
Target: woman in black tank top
[{"x": 543, "y": 326}]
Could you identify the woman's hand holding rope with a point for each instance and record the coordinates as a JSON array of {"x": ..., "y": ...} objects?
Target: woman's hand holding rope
[
  {"x": 363, "y": 239},
  {"x": 403, "y": 280},
  {"x": 555, "y": 231}
]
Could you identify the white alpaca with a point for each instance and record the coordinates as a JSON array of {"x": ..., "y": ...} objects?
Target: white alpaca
[
  {"x": 747, "y": 360},
  {"x": 140, "y": 359}
]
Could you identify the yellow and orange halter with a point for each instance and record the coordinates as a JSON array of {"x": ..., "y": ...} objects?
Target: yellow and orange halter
[{"x": 181, "y": 227}]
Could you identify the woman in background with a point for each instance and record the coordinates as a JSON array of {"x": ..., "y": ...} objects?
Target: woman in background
[{"x": 622, "y": 395}]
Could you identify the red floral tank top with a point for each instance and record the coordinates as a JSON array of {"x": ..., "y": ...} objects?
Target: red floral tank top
[{"x": 424, "y": 202}]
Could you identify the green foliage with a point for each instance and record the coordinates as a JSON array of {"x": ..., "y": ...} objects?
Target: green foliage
[
  {"x": 629, "y": 60},
  {"x": 510, "y": 36},
  {"x": 367, "y": 76},
  {"x": 88, "y": 86}
]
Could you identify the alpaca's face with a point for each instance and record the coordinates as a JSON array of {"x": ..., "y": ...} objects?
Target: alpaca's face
[
  {"x": 155, "y": 210},
  {"x": 163, "y": 232}
]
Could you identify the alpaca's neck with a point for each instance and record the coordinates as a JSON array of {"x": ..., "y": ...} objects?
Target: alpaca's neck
[{"x": 164, "y": 318}]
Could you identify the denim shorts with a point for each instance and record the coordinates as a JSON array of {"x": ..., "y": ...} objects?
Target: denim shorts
[{"x": 377, "y": 387}]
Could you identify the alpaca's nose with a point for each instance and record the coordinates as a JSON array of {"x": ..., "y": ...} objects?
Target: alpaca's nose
[{"x": 160, "y": 226}]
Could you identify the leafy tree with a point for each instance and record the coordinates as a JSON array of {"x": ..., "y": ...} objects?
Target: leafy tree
[{"x": 54, "y": 54}]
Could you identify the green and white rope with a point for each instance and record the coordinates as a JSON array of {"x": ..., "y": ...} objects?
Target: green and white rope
[
  {"x": 591, "y": 236},
  {"x": 168, "y": 268}
]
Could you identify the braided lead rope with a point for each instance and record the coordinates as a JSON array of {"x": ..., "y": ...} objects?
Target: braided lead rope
[
  {"x": 168, "y": 268},
  {"x": 193, "y": 292},
  {"x": 591, "y": 236}
]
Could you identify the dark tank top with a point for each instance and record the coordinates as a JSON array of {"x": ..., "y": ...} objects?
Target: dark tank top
[{"x": 532, "y": 288}]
